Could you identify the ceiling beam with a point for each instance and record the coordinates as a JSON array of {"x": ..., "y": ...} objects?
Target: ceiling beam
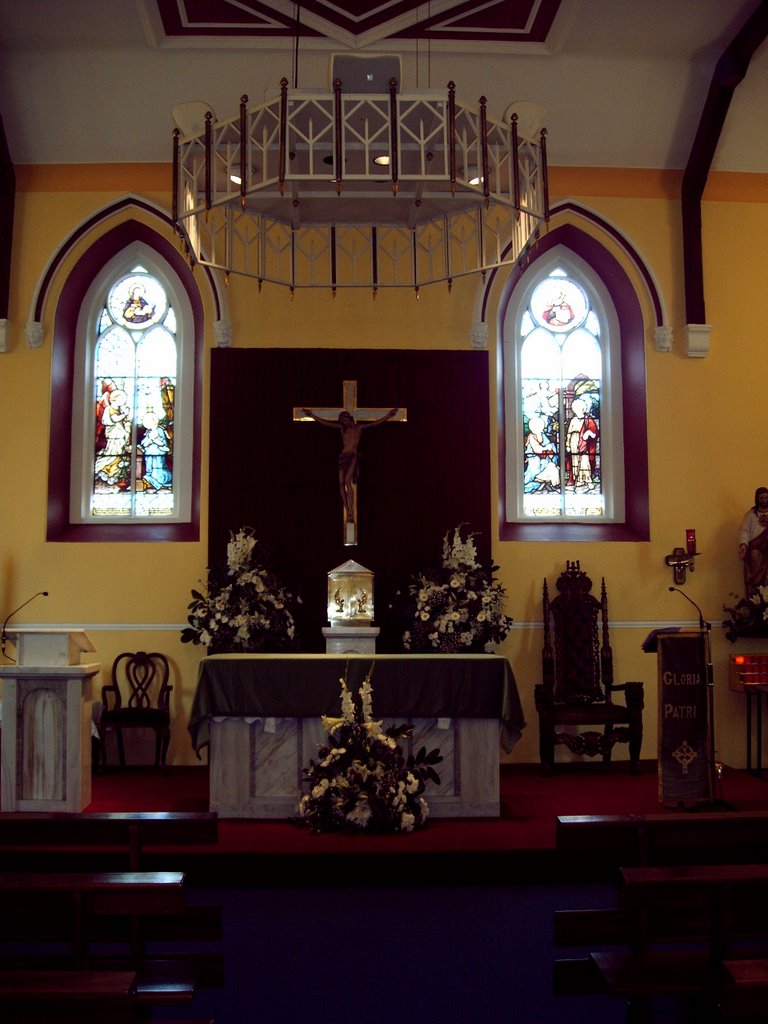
[{"x": 729, "y": 72}]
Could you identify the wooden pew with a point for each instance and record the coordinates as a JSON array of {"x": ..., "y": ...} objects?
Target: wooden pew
[
  {"x": 103, "y": 921},
  {"x": 72, "y": 997},
  {"x": 745, "y": 990},
  {"x": 125, "y": 838},
  {"x": 593, "y": 843},
  {"x": 85, "y": 997},
  {"x": 673, "y": 932}
]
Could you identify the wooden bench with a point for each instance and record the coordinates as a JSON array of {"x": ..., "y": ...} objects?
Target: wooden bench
[
  {"x": 592, "y": 843},
  {"x": 63, "y": 904},
  {"x": 88, "y": 997},
  {"x": 745, "y": 990},
  {"x": 671, "y": 934},
  {"x": 72, "y": 997},
  {"x": 124, "y": 837},
  {"x": 104, "y": 922}
]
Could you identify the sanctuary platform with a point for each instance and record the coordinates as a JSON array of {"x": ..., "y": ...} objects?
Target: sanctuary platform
[{"x": 518, "y": 845}]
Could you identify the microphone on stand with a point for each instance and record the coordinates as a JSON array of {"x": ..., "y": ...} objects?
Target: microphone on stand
[
  {"x": 4, "y": 639},
  {"x": 689, "y": 599}
]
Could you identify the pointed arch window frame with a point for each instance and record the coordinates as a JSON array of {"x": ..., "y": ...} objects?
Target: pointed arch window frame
[
  {"x": 634, "y": 523},
  {"x": 63, "y": 446},
  {"x": 126, "y": 264}
]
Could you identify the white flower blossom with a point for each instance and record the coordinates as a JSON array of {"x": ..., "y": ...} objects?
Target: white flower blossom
[
  {"x": 347, "y": 703},
  {"x": 361, "y": 813},
  {"x": 239, "y": 550}
]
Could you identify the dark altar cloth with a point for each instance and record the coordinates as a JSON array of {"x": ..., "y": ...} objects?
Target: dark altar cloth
[{"x": 404, "y": 686}]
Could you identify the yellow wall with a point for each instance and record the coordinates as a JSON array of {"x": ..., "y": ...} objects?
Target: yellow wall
[{"x": 707, "y": 450}]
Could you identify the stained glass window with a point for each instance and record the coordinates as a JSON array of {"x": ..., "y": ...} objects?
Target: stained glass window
[
  {"x": 561, "y": 370},
  {"x": 134, "y": 386}
]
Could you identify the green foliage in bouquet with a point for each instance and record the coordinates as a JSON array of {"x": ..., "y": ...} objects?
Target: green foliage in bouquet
[
  {"x": 748, "y": 617},
  {"x": 245, "y": 609},
  {"x": 458, "y": 607},
  {"x": 362, "y": 781}
]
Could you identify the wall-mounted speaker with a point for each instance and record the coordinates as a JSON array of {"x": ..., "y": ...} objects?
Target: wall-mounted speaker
[{"x": 370, "y": 72}]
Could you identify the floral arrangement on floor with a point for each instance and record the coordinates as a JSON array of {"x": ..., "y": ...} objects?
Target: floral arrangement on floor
[
  {"x": 362, "y": 781},
  {"x": 748, "y": 616},
  {"x": 245, "y": 609},
  {"x": 458, "y": 607}
]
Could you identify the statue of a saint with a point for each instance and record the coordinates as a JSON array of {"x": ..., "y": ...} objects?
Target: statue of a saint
[
  {"x": 581, "y": 445},
  {"x": 753, "y": 543},
  {"x": 349, "y": 456}
]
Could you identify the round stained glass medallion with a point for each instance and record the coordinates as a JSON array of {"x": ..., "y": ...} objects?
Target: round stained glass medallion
[
  {"x": 137, "y": 301},
  {"x": 559, "y": 304}
]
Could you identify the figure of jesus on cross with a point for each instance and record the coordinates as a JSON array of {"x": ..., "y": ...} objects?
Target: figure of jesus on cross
[{"x": 351, "y": 421}]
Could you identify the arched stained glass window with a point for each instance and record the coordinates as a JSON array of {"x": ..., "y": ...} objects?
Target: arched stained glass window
[
  {"x": 564, "y": 430},
  {"x": 133, "y": 396},
  {"x": 145, "y": 341},
  {"x": 134, "y": 383},
  {"x": 561, "y": 375},
  {"x": 573, "y": 438}
]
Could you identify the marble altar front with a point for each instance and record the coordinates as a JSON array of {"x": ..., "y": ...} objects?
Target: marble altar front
[{"x": 260, "y": 716}]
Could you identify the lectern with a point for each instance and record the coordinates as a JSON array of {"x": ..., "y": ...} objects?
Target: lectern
[
  {"x": 686, "y": 743},
  {"x": 46, "y": 745}
]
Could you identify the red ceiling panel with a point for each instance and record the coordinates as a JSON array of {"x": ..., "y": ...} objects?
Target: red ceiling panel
[{"x": 498, "y": 21}]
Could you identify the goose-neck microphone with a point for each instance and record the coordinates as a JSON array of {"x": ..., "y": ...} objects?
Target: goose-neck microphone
[
  {"x": 4, "y": 639},
  {"x": 690, "y": 600}
]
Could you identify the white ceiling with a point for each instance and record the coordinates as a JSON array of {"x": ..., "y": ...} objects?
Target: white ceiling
[{"x": 624, "y": 81}]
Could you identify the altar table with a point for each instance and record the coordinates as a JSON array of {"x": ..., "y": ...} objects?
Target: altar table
[{"x": 260, "y": 717}]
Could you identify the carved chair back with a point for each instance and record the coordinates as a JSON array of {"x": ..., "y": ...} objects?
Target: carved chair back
[
  {"x": 577, "y": 657},
  {"x": 140, "y": 681}
]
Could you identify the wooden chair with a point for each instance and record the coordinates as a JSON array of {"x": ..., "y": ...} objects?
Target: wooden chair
[
  {"x": 578, "y": 688},
  {"x": 138, "y": 697}
]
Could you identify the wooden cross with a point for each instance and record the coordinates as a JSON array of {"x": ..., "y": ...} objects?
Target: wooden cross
[{"x": 350, "y": 419}]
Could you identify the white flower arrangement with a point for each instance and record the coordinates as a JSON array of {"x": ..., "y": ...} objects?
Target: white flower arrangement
[
  {"x": 245, "y": 609},
  {"x": 362, "y": 781},
  {"x": 458, "y": 607}
]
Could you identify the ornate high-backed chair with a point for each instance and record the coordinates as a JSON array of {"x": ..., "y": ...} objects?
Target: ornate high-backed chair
[{"x": 578, "y": 688}]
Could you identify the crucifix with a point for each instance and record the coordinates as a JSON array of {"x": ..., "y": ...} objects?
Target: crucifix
[{"x": 351, "y": 420}]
